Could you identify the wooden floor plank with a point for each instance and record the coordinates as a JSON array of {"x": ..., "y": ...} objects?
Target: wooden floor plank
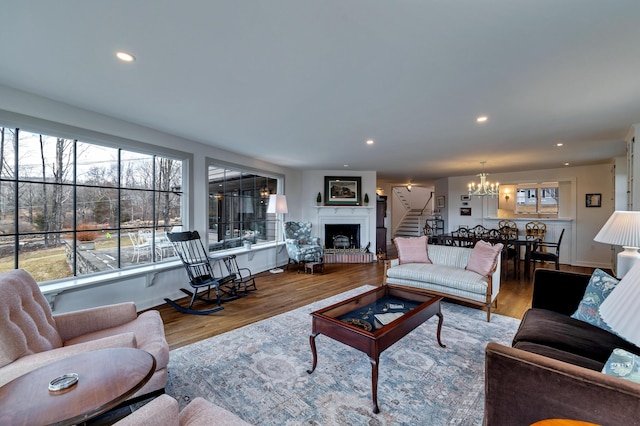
[{"x": 278, "y": 293}]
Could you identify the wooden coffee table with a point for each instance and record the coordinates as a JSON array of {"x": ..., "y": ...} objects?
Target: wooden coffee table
[
  {"x": 362, "y": 322},
  {"x": 106, "y": 378}
]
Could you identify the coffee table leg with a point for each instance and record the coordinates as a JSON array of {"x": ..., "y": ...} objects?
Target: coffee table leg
[
  {"x": 374, "y": 383},
  {"x": 312, "y": 342},
  {"x": 440, "y": 319}
]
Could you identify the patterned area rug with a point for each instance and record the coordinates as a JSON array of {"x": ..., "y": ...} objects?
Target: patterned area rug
[{"x": 259, "y": 372}]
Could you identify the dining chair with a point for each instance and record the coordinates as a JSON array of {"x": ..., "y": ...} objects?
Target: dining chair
[
  {"x": 510, "y": 250},
  {"x": 477, "y": 232},
  {"x": 462, "y": 237},
  {"x": 546, "y": 252},
  {"x": 428, "y": 231},
  {"x": 536, "y": 229}
]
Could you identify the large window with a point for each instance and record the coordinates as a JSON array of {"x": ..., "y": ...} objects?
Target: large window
[
  {"x": 70, "y": 208},
  {"x": 537, "y": 198},
  {"x": 238, "y": 208}
]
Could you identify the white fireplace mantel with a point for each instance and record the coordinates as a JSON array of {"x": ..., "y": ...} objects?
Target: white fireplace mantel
[{"x": 351, "y": 215}]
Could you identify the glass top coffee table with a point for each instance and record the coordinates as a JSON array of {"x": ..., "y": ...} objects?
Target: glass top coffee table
[{"x": 373, "y": 321}]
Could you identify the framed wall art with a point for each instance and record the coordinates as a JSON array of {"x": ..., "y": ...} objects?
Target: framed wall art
[
  {"x": 465, "y": 211},
  {"x": 342, "y": 191},
  {"x": 593, "y": 200},
  {"x": 440, "y": 201}
]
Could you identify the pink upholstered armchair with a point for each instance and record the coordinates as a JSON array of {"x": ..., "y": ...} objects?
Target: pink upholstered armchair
[
  {"x": 163, "y": 411},
  {"x": 32, "y": 336}
]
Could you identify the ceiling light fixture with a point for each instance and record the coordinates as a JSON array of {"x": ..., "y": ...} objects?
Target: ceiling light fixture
[
  {"x": 370, "y": 142},
  {"x": 559, "y": 144},
  {"x": 409, "y": 186},
  {"x": 484, "y": 188},
  {"x": 125, "y": 57},
  {"x": 566, "y": 164},
  {"x": 482, "y": 119}
]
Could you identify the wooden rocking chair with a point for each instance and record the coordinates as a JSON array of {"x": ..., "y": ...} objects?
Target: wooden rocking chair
[
  {"x": 243, "y": 276},
  {"x": 205, "y": 276}
]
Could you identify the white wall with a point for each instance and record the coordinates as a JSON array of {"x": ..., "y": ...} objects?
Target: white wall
[
  {"x": 312, "y": 182},
  {"x": 587, "y": 221}
]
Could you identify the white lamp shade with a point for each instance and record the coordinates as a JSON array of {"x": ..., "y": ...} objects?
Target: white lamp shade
[
  {"x": 620, "y": 309},
  {"x": 622, "y": 229},
  {"x": 277, "y": 204}
]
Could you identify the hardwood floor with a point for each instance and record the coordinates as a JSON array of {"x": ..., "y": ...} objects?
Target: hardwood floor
[{"x": 278, "y": 293}]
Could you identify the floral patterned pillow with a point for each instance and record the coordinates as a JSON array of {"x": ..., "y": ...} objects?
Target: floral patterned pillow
[{"x": 600, "y": 286}]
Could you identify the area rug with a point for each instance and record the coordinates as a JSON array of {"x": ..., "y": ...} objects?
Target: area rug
[{"x": 260, "y": 373}]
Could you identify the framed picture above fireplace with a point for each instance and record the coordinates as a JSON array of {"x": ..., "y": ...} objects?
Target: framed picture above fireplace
[{"x": 342, "y": 191}]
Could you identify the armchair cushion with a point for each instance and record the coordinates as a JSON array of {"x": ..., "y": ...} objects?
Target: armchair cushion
[
  {"x": 145, "y": 328},
  {"x": 26, "y": 322},
  {"x": 74, "y": 324}
]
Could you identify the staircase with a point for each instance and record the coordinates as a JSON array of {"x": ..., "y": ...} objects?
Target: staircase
[{"x": 411, "y": 225}]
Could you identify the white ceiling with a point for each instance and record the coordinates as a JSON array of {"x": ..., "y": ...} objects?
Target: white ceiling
[{"x": 304, "y": 83}]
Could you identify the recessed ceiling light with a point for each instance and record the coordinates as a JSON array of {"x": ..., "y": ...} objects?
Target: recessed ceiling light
[
  {"x": 559, "y": 144},
  {"x": 566, "y": 164},
  {"x": 125, "y": 57},
  {"x": 370, "y": 142},
  {"x": 346, "y": 165},
  {"x": 482, "y": 119}
]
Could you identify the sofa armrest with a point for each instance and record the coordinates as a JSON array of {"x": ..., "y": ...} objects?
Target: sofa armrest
[
  {"x": 30, "y": 362},
  {"x": 389, "y": 263},
  {"x": 558, "y": 291},
  {"x": 74, "y": 324},
  {"x": 522, "y": 388},
  {"x": 162, "y": 411}
]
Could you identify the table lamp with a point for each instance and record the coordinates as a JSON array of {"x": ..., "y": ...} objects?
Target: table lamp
[
  {"x": 622, "y": 229},
  {"x": 620, "y": 309},
  {"x": 277, "y": 205}
]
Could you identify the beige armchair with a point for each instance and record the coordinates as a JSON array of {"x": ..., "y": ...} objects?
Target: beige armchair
[
  {"x": 32, "y": 336},
  {"x": 163, "y": 411}
]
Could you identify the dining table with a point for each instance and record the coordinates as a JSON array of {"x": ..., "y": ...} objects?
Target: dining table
[{"x": 469, "y": 241}]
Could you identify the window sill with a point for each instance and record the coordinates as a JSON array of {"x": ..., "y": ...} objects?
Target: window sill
[{"x": 53, "y": 289}]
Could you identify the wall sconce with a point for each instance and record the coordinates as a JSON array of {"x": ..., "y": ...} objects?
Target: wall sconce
[{"x": 506, "y": 197}]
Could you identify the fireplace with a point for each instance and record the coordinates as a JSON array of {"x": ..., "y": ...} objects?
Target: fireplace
[{"x": 342, "y": 236}]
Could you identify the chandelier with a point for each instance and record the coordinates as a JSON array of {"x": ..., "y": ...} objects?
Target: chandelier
[{"x": 484, "y": 188}]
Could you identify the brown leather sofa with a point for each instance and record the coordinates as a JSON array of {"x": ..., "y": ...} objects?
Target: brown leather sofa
[
  {"x": 32, "y": 336},
  {"x": 553, "y": 368}
]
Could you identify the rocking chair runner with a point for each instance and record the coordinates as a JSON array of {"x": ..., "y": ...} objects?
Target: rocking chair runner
[{"x": 203, "y": 273}]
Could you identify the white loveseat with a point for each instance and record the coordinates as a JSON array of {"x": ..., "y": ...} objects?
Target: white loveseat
[{"x": 447, "y": 276}]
